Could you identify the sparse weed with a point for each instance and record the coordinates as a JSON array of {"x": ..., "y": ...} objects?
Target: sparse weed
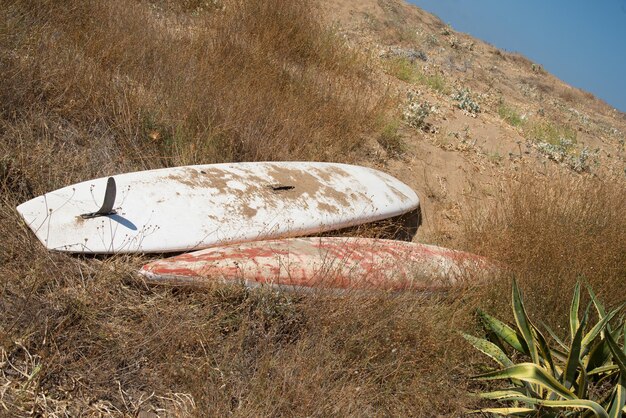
[
  {"x": 436, "y": 82},
  {"x": 558, "y": 151},
  {"x": 403, "y": 69},
  {"x": 410, "y": 54},
  {"x": 495, "y": 157},
  {"x": 454, "y": 42},
  {"x": 431, "y": 40},
  {"x": 551, "y": 133},
  {"x": 407, "y": 35},
  {"x": 580, "y": 162},
  {"x": 391, "y": 140},
  {"x": 509, "y": 114},
  {"x": 558, "y": 143}
]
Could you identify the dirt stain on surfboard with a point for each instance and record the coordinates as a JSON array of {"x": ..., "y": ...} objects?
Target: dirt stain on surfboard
[{"x": 279, "y": 184}]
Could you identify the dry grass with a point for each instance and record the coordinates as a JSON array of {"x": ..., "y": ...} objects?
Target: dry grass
[
  {"x": 127, "y": 84},
  {"x": 552, "y": 231},
  {"x": 86, "y": 335},
  {"x": 93, "y": 88}
]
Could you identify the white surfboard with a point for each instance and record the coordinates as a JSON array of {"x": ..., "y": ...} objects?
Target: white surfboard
[{"x": 195, "y": 207}]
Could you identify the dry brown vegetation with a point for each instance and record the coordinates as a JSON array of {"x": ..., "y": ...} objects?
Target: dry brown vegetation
[
  {"x": 551, "y": 231},
  {"x": 92, "y": 88},
  {"x": 127, "y": 84}
]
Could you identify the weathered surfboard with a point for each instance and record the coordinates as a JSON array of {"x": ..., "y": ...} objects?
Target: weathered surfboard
[
  {"x": 195, "y": 207},
  {"x": 323, "y": 262}
]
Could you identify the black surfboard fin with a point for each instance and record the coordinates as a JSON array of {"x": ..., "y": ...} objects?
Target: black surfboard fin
[{"x": 107, "y": 205}]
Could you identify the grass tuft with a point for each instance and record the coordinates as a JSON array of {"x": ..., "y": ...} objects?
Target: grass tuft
[
  {"x": 403, "y": 69},
  {"x": 551, "y": 133},
  {"x": 391, "y": 140},
  {"x": 509, "y": 115}
]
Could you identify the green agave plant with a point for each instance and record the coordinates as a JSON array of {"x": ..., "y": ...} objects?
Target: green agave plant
[{"x": 585, "y": 378}]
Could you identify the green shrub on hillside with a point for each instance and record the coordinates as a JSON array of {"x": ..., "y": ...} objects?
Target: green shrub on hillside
[
  {"x": 558, "y": 151},
  {"x": 466, "y": 101},
  {"x": 403, "y": 69},
  {"x": 435, "y": 81},
  {"x": 416, "y": 111},
  {"x": 558, "y": 143}
]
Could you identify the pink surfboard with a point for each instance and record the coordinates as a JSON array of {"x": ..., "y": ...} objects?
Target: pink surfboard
[{"x": 323, "y": 262}]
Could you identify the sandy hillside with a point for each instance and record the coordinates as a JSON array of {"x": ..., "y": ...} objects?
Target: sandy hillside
[{"x": 526, "y": 117}]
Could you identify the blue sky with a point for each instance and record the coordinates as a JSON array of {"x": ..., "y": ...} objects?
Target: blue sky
[{"x": 582, "y": 42}]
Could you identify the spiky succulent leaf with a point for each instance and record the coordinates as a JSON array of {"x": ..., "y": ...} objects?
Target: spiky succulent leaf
[
  {"x": 603, "y": 369},
  {"x": 516, "y": 395},
  {"x": 573, "y": 360},
  {"x": 589, "y": 405},
  {"x": 619, "y": 398},
  {"x": 599, "y": 306},
  {"x": 503, "y": 331},
  {"x": 573, "y": 312},
  {"x": 598, "y": 328},
  {"x": 555, "y": 337},
  {"x": 583, "y": 384},
  {"x": 618, "y": 355},
  {"x": 499, "y": 395},
  {"x": 575, "y": 404},
  {"x": 508, "y": 412},
  {"x": 598, "y": 356},
  {"x": 544, "y": 349},
  {"x": 523, "y": 323},
  {"x": 531, "y": 373},
  {"x": 490, "y": 349}
]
